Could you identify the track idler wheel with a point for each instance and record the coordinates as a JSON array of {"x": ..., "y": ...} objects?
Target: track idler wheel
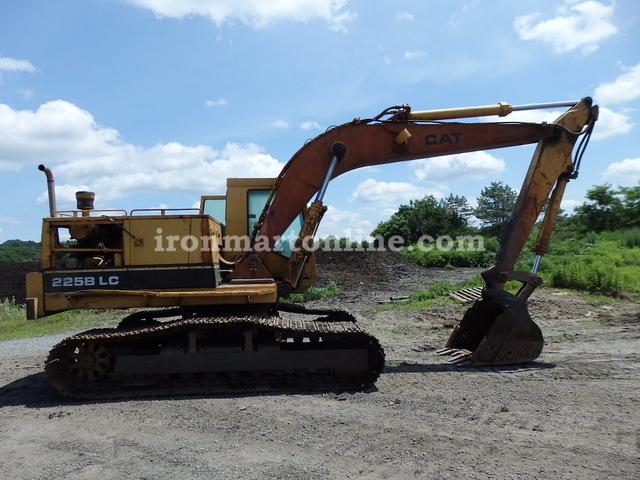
[
  {"x": 492, "y": 334},
  {"x": 89, "y": 361}
]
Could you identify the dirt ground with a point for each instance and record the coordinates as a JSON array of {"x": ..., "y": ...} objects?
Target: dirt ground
[{"x": 572, "y": 414}]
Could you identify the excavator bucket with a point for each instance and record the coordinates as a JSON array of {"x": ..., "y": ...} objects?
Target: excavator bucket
[{"x": 492, "y": 334}]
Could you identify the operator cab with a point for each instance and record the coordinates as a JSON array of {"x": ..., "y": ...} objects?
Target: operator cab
[{"x": 240, "y": 209}]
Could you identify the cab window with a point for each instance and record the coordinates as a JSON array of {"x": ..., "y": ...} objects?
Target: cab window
[
  {"x": 216, "y": 208},
  {"x": 256, "y": 202}
]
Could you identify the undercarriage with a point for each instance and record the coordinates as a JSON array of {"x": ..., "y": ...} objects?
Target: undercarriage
[{"x": 205, "y": 355}]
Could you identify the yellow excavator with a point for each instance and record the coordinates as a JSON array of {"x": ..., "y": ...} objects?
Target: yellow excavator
[{"x": 204, "y": 284}]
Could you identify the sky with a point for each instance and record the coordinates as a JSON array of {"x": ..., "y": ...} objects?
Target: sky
[{"x": 152, "y": 103}]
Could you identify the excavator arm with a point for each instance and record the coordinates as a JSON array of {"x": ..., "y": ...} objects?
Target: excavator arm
[
  {"x": 497, "y": 329},
  {"x": 490, "y": 332}
]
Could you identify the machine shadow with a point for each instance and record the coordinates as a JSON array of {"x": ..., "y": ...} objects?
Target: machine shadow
[{"x": 33, "y": 391}]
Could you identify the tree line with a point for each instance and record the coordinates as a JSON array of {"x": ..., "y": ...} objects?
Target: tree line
[
  {"x": 605, "y": 209},
  {"x": 13, "y": 251}
]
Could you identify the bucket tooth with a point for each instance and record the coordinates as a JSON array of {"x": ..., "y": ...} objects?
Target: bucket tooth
[
  {"x": 461, "y": 353},
  {"x": 461, "y": 362},
  {"x": 445, "y": 351}
]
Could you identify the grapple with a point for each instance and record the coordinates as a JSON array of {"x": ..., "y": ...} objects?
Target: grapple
[{"x": 495, "y": 334}]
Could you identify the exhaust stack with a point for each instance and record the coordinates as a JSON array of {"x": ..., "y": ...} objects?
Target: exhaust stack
[{"x": 51, "y": 189}]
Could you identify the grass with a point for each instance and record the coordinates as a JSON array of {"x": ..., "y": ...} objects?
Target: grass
[
  {"x": 599, "y": 264},
  {"x": 436, "y": 295},
  {"x": 315, "y": 293},
  {"x": 14, "y": 323}
]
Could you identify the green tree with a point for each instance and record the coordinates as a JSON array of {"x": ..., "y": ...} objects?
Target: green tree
[
  {"x": 459, "y": 211},
  {"x": 630, "y": 206},
  {"x": 495, "y": 206},
  {"x": 398, "y": 224},
  {"x": 565, "y": 227},
  {"x": 607, "y": 209},
  {"x": 19, "y": 251},
  {"x": 427, "y": 216},
  {"x": 603, "y": 210}
]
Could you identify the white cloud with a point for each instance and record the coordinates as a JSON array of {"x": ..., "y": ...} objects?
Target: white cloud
[
  {"x": 405, "y": 16},
  {"x": 389, "y": 194},
  {"x": 85, "y": 156},
  {"x": 255, "y": 13},
  {"x": 611, "y": 123},
  {"x": 569, "y": 205},
  {"x": 57, "y": 131},
  {"x": 414, "y": 54},
  {"x": 66, "y": 195},
  {"x": 577, "y": 26},
  {"x": 623, "y": 89},
  {"x": 344, "y": 223},
  {"x": 216, "y": 103},
  {"x": 310, "y": 126},
  {"x": 173, "y": 167},
  {"x": 627, "y": 170},
  {"x": 281, "y": 124},
  {"x": 458, "y": 167},
  {"x": 13, "y": 65}
]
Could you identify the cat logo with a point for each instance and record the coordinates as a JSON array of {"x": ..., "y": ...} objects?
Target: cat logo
[{"x": 450, "y": 138}]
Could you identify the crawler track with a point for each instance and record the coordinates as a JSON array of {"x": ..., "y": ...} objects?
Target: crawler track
[{"x": 207, "y": 355}]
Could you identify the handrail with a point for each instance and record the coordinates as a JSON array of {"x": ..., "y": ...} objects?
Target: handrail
[
  {"x": 87, "y": 250},
  {"x": 163, "y": 210},
  {"x": 92, "y": 213},
  {"x": 85, "y": 213}
]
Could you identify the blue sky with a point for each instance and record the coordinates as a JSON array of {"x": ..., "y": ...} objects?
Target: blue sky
[{"x": 152, "y": 103}]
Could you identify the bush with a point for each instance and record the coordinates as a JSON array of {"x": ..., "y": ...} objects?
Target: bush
[
  {"x": 625, "y": 238},
  {"x": 594, "y": 263},
  {"x": 9, "y": 309},
  {"x": 588, "y": 275},
  {"x": 449, "y": 259}
]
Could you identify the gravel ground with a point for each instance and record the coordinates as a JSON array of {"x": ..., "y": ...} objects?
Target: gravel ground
[
  {"x": 572, "y": 414},
  {"x": 29, "y": 346}
]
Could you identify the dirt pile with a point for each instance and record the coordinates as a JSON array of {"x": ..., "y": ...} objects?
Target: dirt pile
[
  {"x": 356, "y": 268},
  {"x": 12, "y": 280}
]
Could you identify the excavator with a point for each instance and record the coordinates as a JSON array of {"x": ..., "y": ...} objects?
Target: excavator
[{"x": 206, "y": 288}]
